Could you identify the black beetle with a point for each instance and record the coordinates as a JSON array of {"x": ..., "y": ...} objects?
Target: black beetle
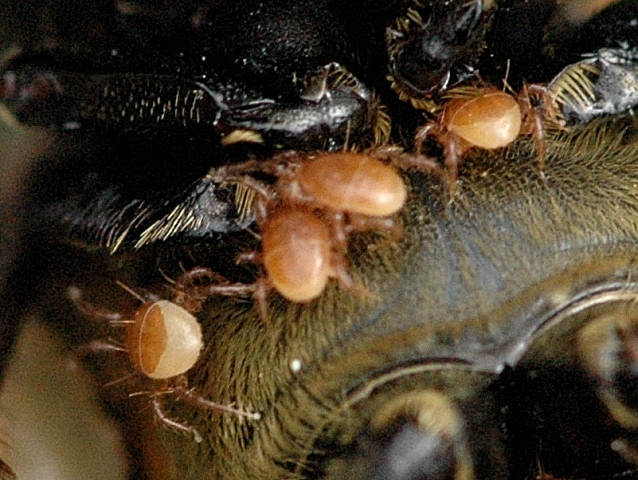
[
  {"x": 464, "y": 361},
  {"x": 493, "y": 327}
]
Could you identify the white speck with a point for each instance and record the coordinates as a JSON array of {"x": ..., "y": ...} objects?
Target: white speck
[
  {"x": 295, "y": 365},
  {"x": 71, "y": 125},
  {"x": 114, "y": 53}
]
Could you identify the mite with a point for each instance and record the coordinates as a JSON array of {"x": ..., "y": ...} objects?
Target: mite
[
  {"x": 163, "y": 341},
  {"x": 301, "y": 249},
  {"x": 489, "y": 119},
  {"x": 297, "y": 254}
]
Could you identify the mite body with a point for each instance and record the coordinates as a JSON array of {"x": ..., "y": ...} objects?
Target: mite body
[
  {"x": 163, "y": 340},
  {"x": 489, "y": 119},
  {"x": 355, "y": 183},
  {"x": 297, "y": 254}
]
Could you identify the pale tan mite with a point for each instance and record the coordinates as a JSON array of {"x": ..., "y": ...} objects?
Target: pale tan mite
[{"x": 164, "y": 340}]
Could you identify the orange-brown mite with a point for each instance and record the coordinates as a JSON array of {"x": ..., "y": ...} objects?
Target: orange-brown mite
[
  {"x": 306, "y": 217},
  {"x": 353, "y": 183},
  {"x": 489, "y": 119},
  {"x": 297, "y": 253},
  {"x": 316, "y": 203}
]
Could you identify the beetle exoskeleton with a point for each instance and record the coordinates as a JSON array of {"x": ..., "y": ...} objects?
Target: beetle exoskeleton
[
  {"x": 164, "y": 340},
  {"x": 353, "y": 182},
  {"x": 431, "y": 46}
]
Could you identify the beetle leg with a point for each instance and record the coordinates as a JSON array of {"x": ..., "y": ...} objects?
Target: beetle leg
[
  {"x": 608, "y": 350},
  {"x": 420, "y": 434}
]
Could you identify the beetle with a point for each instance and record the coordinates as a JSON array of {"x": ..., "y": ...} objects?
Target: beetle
[
  {"x": 470, "y": 367},
  {"x": 463, "y": 308}
]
